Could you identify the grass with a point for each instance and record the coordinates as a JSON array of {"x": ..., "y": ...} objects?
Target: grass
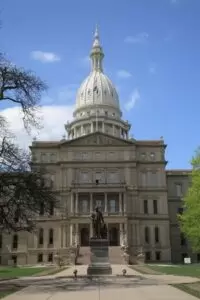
[
  {"x": 11, "y": 272},
  {"x": 8, "y": 292},
  {"x": 189, "y": 288},
  {"x": 180, "y": 270}
]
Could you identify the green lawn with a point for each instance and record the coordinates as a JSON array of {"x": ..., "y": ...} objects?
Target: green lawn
[
  {"x": 181, "y": 270},
  {"x": 8, "y": 292},
  {"x": 19, "y": 272}
]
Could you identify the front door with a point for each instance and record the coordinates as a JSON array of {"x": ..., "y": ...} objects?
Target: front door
[
  {"x": 84, "y": 236},
  {"x": 114, "y": 236}
]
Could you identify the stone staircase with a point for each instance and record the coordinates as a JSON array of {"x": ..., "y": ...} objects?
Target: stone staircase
[
  {"x": 115, "y": 255},
  {"x": 84, "y": 256}
]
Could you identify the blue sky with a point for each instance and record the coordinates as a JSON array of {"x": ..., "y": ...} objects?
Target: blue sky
[{"x": 152, "y": 50}]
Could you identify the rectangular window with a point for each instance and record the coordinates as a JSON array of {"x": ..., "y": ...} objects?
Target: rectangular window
[
  {"x": 99, "y": 176},
  {"x": 180, "y": 210},
  {"x": 41, "y": 209},
  {"x": 84, "y": 176},
  {"x": 112, "y": 204},
  {"x": 155, "y": 207},
  {"x": 85, "y": 207},
  {"x": 158, "y": 255},
  {"x": 99, "y": 203},
  {"x": 157, "y": 237},
  {"x": 178, "y": 190},
  {"x": 183, "y": 240},
  {"x": 148, "y": 256},
  {"x": 145, "y": 206},
  {"x": 41, "y": 236},
  {"x": 14, "y": 259},
  {"x": 51, "y": 208},
  {"x": 146, "y": 235},
  {"x": 15, "y": 241},
  {"x": 50, "y": 257},
  {"x": 40, "y": 258},
  {"x": 51, "y": 236}
]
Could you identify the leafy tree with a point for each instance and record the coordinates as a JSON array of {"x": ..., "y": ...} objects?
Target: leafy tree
[
  {"x": 23, "y": 191},
  {"x": 190, "y": 218}
]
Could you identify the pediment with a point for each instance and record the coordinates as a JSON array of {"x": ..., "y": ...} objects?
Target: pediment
[{"x": 98, "y": 139}]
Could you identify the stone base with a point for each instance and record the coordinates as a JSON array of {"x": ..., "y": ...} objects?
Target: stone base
[
  {"x": 99, "y": 258},
  {"x": 99, "y": 270}
]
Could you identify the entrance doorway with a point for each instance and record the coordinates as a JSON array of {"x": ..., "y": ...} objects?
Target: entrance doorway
[
  {"x": 84, "y": 236},
  {"x": 114, "y": 236}
]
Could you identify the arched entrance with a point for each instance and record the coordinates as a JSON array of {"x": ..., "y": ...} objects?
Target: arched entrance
[
  {"x": 114, "y": 236},
  {"x": 84, "y": 236}
]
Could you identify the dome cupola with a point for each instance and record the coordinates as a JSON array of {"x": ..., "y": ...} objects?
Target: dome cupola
[{"x": 97, "y": 102}]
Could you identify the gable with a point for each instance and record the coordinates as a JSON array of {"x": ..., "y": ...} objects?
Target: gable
[{"x": 98, "y": 139}]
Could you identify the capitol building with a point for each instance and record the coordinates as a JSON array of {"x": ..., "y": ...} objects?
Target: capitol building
[{"x": 99, "y": 164}]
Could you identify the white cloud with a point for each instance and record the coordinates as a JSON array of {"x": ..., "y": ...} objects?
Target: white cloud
[
  {"x": 135, "y": 96},
  {"x": 53, "y": 119},
  {"x": 123, "y": 74},
  {"x": 139, "y": 38},
  {"x": 45, "y": 57}
]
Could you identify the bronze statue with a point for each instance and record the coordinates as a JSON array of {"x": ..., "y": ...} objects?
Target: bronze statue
[{"x": 99, "y": 226}]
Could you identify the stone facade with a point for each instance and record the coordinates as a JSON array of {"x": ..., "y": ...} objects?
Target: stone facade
[{"x": 127, "y": 178}]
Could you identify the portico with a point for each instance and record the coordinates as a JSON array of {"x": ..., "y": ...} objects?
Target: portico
[
  {"x": 80, "y": 232},
  {"x": 110, "y": 203}
]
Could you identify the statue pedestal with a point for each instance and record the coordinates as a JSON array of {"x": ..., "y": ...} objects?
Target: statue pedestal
[{"x": 99, "y": 261}]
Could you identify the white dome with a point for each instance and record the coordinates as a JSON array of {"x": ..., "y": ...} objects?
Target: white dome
[{"x": 97, "y": 89}]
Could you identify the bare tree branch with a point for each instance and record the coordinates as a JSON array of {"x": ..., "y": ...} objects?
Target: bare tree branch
[{"x": 22, "y": 88}]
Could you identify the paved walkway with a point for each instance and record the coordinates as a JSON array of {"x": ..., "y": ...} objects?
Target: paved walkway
[
  {"x": 160, "y": 292},
  {"x": 146, "y": 287}
]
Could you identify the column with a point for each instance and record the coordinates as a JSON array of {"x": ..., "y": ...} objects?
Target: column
[
  {"x": 121, "y": 233},
  {"x": 72, "y": 203},
  {"x": 91, "y": 230},
  {"x": 76, "y": 203},
  {"x": 91, "y": 202},
  {"x": 103, "y": 127},
  {"x": 81, "y": 129},
  {"x": 113, "y": 129},
  {"x": 77, "y": 234},
  {"x": 92, "y": 127},
  {"x": 125, "y": 202},
  {"x": 35, "y": 237},
  {"x": 106, "y": 202},
  {"x": 71, "y": 234},
  {"x": 120, "y": 202},
  {"x": 125, "y": 233}
]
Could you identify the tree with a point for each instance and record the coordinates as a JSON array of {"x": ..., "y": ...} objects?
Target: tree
[
  {"x": 23, "y": 190},
  {"x": 190, "y": 218}
]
